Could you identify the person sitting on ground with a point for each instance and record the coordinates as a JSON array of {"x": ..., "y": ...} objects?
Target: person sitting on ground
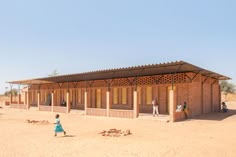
[
  {"x": 63, "y": 103},
  {"x": 224, "y": 107},
  {"x": 179, "y": 108}
]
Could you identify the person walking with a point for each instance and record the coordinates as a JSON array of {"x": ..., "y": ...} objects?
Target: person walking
[
  {"x": 155, "y": 107},
  {"x": 58, "y": 126}
]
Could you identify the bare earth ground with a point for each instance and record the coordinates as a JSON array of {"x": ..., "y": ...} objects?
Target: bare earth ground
[{"x": 211, "y": 135}]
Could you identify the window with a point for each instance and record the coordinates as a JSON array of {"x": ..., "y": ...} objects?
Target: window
[
  {"x": 149, "y": 95},
  {"x": 79, "y": 96},
  {"x": 98, "y": 98},
  {"x": 124, "y": 95},
  {"x": 115, "y": 95}
]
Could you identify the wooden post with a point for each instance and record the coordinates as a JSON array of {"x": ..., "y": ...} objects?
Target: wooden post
[
  {"x": 27, "y": 99},
  {"x": 135, "y": 101},
  {"x": 11, "y": 98},
  {"x": 108, "y": 103},
  {"x": 85, "y": 102},
  {"x": 67, "y": 102},
  {"x": 11, "y": 94},
  {"x": 19, "y": 95},
  {"x": 38, "y": 99},
  {"x": 52, "y": 100}
]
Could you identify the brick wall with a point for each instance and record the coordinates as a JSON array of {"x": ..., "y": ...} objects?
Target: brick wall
[
  {"x": 216, "y": 97},
  {"x": 200, "y": 93}
]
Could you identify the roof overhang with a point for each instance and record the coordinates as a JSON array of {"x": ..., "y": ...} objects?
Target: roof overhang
[
  {"x": 135, "y": 71},
  {"x": 29, "y": 82}
]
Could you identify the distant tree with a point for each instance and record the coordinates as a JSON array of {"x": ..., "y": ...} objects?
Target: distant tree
[
  {"x": 227, "y": 88},
  {"x": 14, "y": 92},
  {"x": 54, "y": 73}
]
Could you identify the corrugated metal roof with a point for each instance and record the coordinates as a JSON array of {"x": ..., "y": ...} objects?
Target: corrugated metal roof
[{"x": 133, "y": 71}]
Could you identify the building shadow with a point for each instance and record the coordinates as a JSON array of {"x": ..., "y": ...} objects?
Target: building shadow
[{"x": 216, "y": 116}]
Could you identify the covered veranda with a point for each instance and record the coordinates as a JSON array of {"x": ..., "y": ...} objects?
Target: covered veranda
[{"x": 122, "y": 92}]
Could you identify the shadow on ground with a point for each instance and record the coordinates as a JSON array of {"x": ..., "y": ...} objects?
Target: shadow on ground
[
  {"x": 217, "y": 116},
  {"x": 67, "y": 136}
]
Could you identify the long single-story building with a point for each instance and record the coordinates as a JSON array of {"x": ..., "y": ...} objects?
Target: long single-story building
[{"x": 126, "y": 92}]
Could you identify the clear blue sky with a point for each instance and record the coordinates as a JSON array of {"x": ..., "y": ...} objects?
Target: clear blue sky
[{"x": 73, "y": 36}]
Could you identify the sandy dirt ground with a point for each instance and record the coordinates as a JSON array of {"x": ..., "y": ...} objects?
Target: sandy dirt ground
[{"x": 211, "y": 135}]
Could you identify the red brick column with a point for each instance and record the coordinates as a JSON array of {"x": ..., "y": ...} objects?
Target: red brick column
[{"x": 171, "y": 103}]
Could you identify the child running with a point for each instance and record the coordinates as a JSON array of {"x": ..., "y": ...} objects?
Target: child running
[{"x": 58, "y": 126}]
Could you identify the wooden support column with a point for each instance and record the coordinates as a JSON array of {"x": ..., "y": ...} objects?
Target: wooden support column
[
  {"x": 67, "y": 102},
  {"x": 19, "y": 95},
  {"x": 11, "y": 98},
  {"x": 85, "y": 102},
  {"x": 11, "y": 94},
  {"x": 19, "y": 98},
  {"x": 27, "y": 99},
  {"x": 135, "y": 103},
  {"x": 108, "y": 103},
  {"x": 52, "y": 100},
  {"x": 38, "y": 98},
  {"x": 25, "y": 95},
  {"x": 108, "y": 82}
]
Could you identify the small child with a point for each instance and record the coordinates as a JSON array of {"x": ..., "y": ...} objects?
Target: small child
[{"x": 58, "y": 126}]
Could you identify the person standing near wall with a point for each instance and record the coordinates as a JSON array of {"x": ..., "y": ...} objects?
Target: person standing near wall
[
  {"x": 185, "y": 109},
  {"x": 155, "y": 107}
]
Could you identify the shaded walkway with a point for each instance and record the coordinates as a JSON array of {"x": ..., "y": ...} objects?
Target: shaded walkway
[
  {"x": 148, "y": 116},
  {"x": 219, "y": 116}
]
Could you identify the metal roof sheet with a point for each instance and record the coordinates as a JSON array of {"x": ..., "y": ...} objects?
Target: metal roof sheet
[{"x": 133, "y": 71}]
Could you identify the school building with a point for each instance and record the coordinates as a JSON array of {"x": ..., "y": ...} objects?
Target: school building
[{"x": 126, "y": 92}]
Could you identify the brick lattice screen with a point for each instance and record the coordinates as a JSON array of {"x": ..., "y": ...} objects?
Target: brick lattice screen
[
  {"x": 162, "y": 79},
  {"x": 145, "y": 80}
]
